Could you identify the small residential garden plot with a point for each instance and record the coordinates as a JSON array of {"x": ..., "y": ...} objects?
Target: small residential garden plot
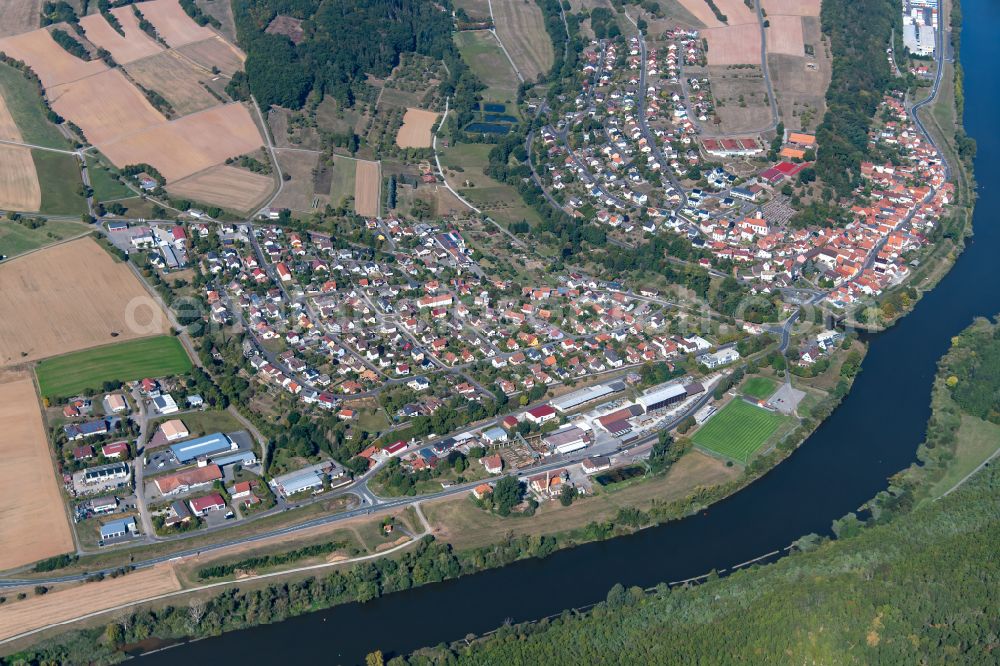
[
  {"x": 68, "y": 375},
  {"x": 759, "y": 387},
  {"x": 738, "y": 431}
]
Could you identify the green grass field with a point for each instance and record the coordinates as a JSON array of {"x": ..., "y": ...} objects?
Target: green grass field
[
  {"x": 106, "y": 185},
  {"x": 16, "y": 239},
  {"x": 484, "y": 57},
  {"x": 59, "y": 177},
  {"x": 65, "y": 376},
  {"x": 759, "y": 387},
  {"x": 26, "y": 108},
  {"x": 977, "y": 441},
  {"x": 738, "y": 430},
  {"x": 342, "y": 184}
]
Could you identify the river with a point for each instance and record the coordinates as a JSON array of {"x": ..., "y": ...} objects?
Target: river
[{"x": 873, "y": 434}]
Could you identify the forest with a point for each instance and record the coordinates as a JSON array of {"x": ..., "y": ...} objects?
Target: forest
[{"x": 858, "y": 34}]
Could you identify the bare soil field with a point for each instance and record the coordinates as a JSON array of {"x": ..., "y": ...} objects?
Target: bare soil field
[
  {"x": 69, "y": 603},
  {"x": 701, "y": 11},
  {"x": 215, "y": 52},
  {"x": 791, "y": 7},
  {"x": 416, "y": 129},
  {"x": 222, "y": 10},
  {"x": 367, "y": 188},
  {"x": 133, "y": 46},
  {"x": 33, "y": 521},
  {"x": 177, "y": 79},
  {"x": 736, "y": 11},
  {"x": 299, "y": 192},
  {"x": 785, "y": 35},
  {"x": 521, "y": 28},
  {"x": 225, "y": 186},
  {"x": 800, "y": 82},
  {"x": 105, "y": 106},
  {"x": 19, "y": 188},
  {"x": 189, "y": 144},
  {"x": 741, "y": 98},
  {"x": 734, "y": 44},
  {"x": 172, "y": 24},
  {"x": 17, "y": 16},
  {"x": 80, "y": 286},
  {"x": 51, "y": 62}
]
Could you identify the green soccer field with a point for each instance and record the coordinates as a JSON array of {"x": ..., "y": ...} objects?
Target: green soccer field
[
  {"x": 759, "y": 387},
  {"x": 738, "y": 431},
  {"x": 66, "y": 376}
]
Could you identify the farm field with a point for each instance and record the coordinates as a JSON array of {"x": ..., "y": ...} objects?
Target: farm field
[
  {"x": 214, "y": 52},
  {"x": 521, "y": 27},
  {"x": 65, "y": 376},
  {"x": 59, "y": 175},
  {"x": 106, "y": 185},
  {"x": 53, "y": 65},
  {"x": 800, "y": 81},
  {"x": 17, "y": 239},
  {"x": 19, "y": 188},
  {"x": 177, "y": 79},
  {"x": 417, "y": 128},
  {"x": 759, "y": 387},
  {"x": 17, "y": 16},
  {"x": 484, "y": 57},
  {"x": 344, "y": 176},
  {"x": 32, "y": 513},
  {"x": 367, "y": 188},
  {"x": 300, "y": 190},
  {"x": 225, "y": 186},
  {"x": 25, "y": 107},
  {"x": 741, "y": 98},
  {"x": 79, "y": 285},
  {"x": 738, "y": 430},
  {"x": 189, "y": 144},
  {"x": 119, "y": 109},
  {"x": 733, "y": 44},
  {"x": 174, "y": 26},
  {"x": 124, "y": 49},
  {"x": 17, "y": 617},
  {"x": 785, "y": 35},
  {"x": 791, "y": 7}
]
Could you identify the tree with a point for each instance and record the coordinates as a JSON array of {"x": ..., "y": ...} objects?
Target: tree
[
  {"x": 507, "y": 494},
  {"x": 567, "y": 494},
  {"x": 374, "y": 658}
]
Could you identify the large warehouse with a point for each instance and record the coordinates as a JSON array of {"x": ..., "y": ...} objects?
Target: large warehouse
[
  {"x": 662, "y": 397},
  {"x": 208, "y": 445}
]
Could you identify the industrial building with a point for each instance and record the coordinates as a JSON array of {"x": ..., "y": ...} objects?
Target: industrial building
[
  {"x": 118, "y": 528},
  {"x": 575, "y": 399},
  {"x": 308, "y": 478},
  {"x": 662, "y": 397},
  {"x": 201, "y": 447},
  {"x": 567, "y": 440}
]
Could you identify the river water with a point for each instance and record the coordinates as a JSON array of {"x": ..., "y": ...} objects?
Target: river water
[{"x": 873, "y": 434}]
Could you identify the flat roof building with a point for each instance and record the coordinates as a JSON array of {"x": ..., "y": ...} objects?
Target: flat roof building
[
  {"x": 575, "y": 399},
  {"x": 118, "y": 528},
  {"x": 208, "y": 445},
  {"x": 662, "y": 397}
]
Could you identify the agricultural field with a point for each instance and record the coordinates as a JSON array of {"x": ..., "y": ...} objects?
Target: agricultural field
[
  {"x": 791, "y": 7},
  {"x": 96, "y": 299},
  {"x": 733, "y": 44},
  {"x": 759, "y": 387},
  {"x": 36, "y": 612},
  {"x": 34, "y": 516},
  {"x": 189, "y": 144},
  {"x": 301, "y": 190},
  {"x": 367, "y": 188},
  {"x": 174, "y": 26},
  {"x": 474, "y": 8},
  {"x": 119, "y": 109},
  {"x": 225, "y": 186},
  {"x": 59, "y": 175},
  {"x": 53, "y": 65},
  {"x": 463, "y": 166},
  {"x": 19, "y": 187},
  {"x": 738, "y": 431},
  {"x": 214, "y": 52},
  {"x": 17, "y": 239},
  {"x": 521, "y": 27},
  {"x": 418, "y": 125},
  {"x": 741, "y": 101},
  {"x": 104, "y": 181},
  {"x": 800, "y": 81},
  {"x": 134, "y": 45},
  {"x": 484, "y": 57},
  {"x": 17, "y": 16},
  {"x": 26, "y": 108},
  {"x": 343, "y": 184},
  {"x": 177, "y": 79},
  {"x": 68, "y": 375}
]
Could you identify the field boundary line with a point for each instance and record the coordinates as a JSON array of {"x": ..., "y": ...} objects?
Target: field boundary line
[{"x": 500, "y": 42}]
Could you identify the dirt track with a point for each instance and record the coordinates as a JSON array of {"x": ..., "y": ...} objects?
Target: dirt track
[{"x": 33, "y": 522}]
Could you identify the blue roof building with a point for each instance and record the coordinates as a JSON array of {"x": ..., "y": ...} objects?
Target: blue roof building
[
  {"x": 118, "y": 528},
  {"x": 208, "y": 445}
]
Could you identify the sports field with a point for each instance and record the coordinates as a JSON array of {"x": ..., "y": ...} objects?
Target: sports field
[
  {"x": 759, "y": 387},
  {"x": 150, "y": 357},
  {"x": 738, "y": 430}
]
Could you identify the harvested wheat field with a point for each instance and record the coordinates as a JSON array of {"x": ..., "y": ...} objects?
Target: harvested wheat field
[
  {"x": 736, "y": 12},
  {"x": 51, "y": 62},
  {"x": 68, "y": 297},
  {"x": 733, "y": 45},
  {"x": 225, "y": 186},
  {"x": 190, "y": 144},
  {"x": 33, "y": 521},
  {"x": 17, "y": 16},
  {"x": 173, "y": 25},
  {"x": 367, "y": 188},
  {"x": 105, "y": 106},
  {"x": 791, "y": 7},
  {"x": 785, "y": 36},
  {"x": 177, "y": 78},
  {"x": 215, "y": 52},
  {"x": 19, "y": 188},
  {"x": 18, "y": 617},
  {"x": 133, "y": 46},
  {"x": 521, "y": 27},
  {"x": 416, "y": 130}
]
